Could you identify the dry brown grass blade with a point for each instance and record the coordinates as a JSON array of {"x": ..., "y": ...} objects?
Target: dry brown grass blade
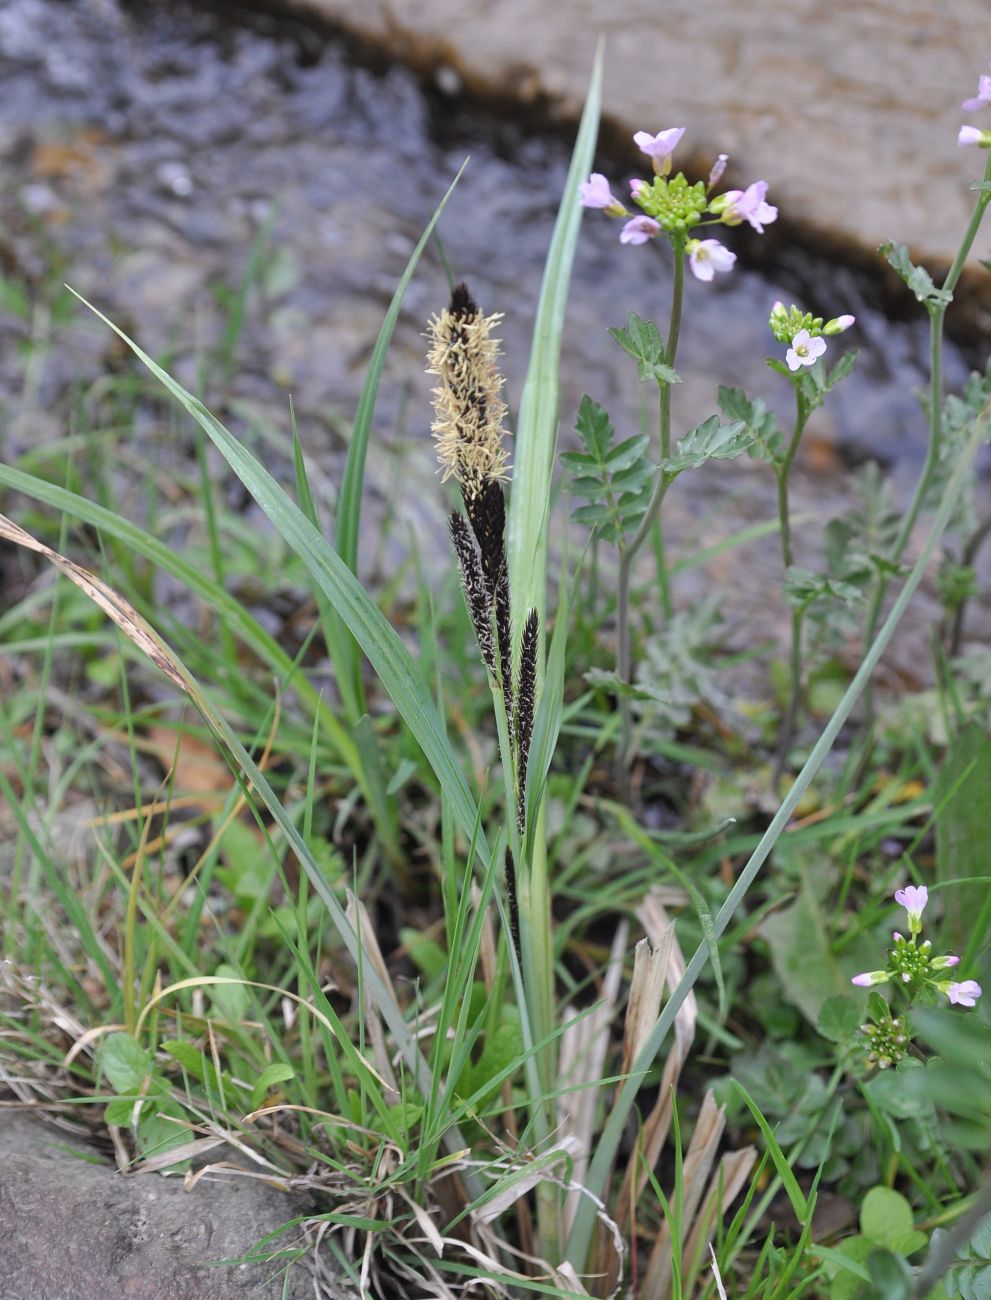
[
  {"x": 643, "y": 1006},
  {"x": 358, "y": 916},
  {"x": 698, "y": 1164},
  {"x": 584, "y": 1045},
  {"x": 660, "y": 931},
  {"x": 114, "y": 606},
  {"x": 658, "y": 925},
  {"x": 727, "y": 1183}
]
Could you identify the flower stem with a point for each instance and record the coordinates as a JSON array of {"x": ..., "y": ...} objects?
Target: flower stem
[
  {"x": 937, "y": 314},
  {"x": 627, "y": 554},
  {"x": 793, "y": 710}
]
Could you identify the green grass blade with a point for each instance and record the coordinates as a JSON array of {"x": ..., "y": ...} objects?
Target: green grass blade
[
  {"x": 339, "y": 642},
  {"x": 349, "y": 500},
  {"x": 536, "y": 432},
  {"x": 348, "y": 523},
  {"x": 396, "y": 668},
  {"x": 234, "y": 615},
  {"x": 788, "y": 1179}
]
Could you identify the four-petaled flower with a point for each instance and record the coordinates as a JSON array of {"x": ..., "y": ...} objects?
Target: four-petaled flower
[
  {"x": 746, "y": 205},
  {"x": 804, "y": 350},
  {"x": 707, "y": 256},
  {"x": 639, "y": 230},
  {"x": 659, "y": 147},
  {"x": 914, "y": 899},
  {"x": 983, "y": 97},
  {"x": 965, "y": 993},
  {"x": 595, "y": 193}
]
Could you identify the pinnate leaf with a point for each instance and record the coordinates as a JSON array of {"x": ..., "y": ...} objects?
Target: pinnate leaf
[{"x": 709, "y": 440}]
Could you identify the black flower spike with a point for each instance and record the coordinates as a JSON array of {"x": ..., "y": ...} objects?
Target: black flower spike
[
  {"x": 478, "y": 593},
  {"x": 526, "y": 697},
  {"x": 514, "y": 906}
]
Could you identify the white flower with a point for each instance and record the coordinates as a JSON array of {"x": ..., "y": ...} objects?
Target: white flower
[
  {"x": 804, "y": 350},
  {"x": 707, "y": 256},
  {"x": 964, "y": 994}
]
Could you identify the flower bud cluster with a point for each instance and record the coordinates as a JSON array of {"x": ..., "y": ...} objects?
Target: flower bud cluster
[
  {"x": 912, "y": 965},
  {"x": 803, "y": 333},
  {"x": 674, "y": 206},
  {"x": 886, "y": 1041}
]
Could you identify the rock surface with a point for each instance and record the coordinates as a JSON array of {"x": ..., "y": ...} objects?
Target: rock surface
[
  {"x": 71, "y": 1229},
  {"x": 849, "y": 110}
]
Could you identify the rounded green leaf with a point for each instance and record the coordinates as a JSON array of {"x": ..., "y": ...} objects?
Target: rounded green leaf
[
  {"x": 886, "y": 1217},
  {"x": 124, "y": 1062}
]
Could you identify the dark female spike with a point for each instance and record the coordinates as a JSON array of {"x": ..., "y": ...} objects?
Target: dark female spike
[
  {"x": 514, "y": 906},
  {"x": 504, "y": 639},
  {"x": 477, "y": 592},
  {"x": 526, "y": 697},
  {"x": 487, "y": 513}
]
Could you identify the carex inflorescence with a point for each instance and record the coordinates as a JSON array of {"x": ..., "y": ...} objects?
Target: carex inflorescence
[{"x": 468, "y": 429}]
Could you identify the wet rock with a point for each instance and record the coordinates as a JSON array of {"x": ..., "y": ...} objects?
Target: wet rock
[
  {"x": 850, "y": 111},
  {"x": 72, "y": 1229},
  {"x": 312, "y": 177}
]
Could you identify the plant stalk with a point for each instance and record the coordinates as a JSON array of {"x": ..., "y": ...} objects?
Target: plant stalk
[
  {"x": 937, "y": 315},
  {"x": 624, "y": 665},
  {"x": 794, "y": 707}
]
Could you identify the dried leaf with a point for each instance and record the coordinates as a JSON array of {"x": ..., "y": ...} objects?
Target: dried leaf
[{"x": 114, "y": 606}]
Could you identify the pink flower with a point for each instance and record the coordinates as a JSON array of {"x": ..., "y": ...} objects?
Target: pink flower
[
  {"x": 595, "y": 193},
  {"x": 804, "y": 350},
  {"x": 639, "y": 230},
  {"x": 659, "y": 147},
  {"x": 970, "y": 135},
  {"x": 746, "y": 205},
  {"x": 870, "y": 977},
  {"x": 964, "y": 994},
  {"x": 707, "y": 256},
  {"x": 983, "y": 97},
  {"x": 914, "y": 899},
  {"x": 944, "y": 963},
  {"x": 637, "y": 186}
]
